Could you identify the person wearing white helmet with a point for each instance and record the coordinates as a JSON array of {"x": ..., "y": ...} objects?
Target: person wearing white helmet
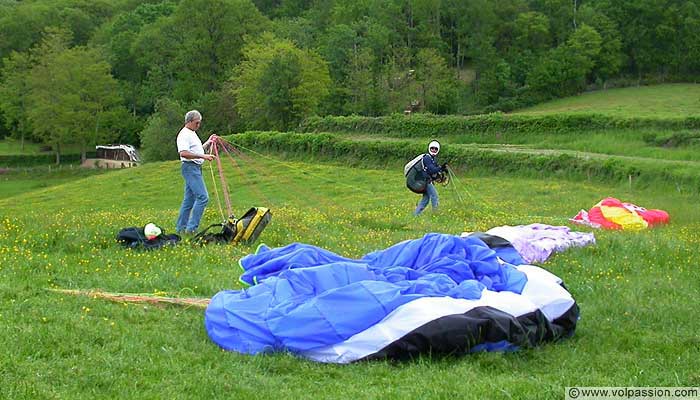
[{"x": 432, "y": 169}]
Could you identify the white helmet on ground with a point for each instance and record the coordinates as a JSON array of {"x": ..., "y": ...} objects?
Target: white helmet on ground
[
  {"x": 434, "y": 147},
  {"x": 151, "y": 231}
]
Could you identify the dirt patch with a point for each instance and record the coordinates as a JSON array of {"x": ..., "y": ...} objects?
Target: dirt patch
[{"x": 103, "y": 163}]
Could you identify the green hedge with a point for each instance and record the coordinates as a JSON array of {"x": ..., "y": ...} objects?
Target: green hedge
[
  {"x": 39, "y": 159},
  {"x": 325, "y": 146},
  {"x": 674, "y": 139},
  {"x": 425, "y": 125}
]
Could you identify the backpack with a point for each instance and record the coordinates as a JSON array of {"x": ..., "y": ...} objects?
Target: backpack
[
  {"x": 243, "y": 230},
  {"x": 134, "y": 238},
  {"x": 416, "y": 178}
]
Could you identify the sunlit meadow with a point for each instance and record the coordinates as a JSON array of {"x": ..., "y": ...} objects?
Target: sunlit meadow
[{"x": 637, "y": 290}]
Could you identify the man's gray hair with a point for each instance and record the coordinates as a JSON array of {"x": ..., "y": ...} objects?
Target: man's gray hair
[{"x": 192, "y": 115}]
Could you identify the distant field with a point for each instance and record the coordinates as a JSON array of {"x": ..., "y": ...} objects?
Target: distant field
[
  {"x": 658, "y": 101},
  {"x": 21, "y": 180},
  {"x": 9, "y": 146}
]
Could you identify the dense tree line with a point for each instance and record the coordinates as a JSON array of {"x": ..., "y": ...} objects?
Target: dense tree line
[{"x": 104, "y": 70}]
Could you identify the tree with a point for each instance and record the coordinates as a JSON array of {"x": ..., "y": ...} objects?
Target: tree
[
  {"x": 71, "y": 92},
  {"x": 44, "y": 91},
  {"x": 610, "y": 58},
  {"x": 189, "y": 53},
  {"x": 299, "y": 30},
  {"x": 495, "y": 84},
  {"x": 277, "y": 85},
  {"x": 560, "y": 14},
  {"x": 118, "y": 37},
  {"x": 427, "y": 15},
  {"x": 360, "y": 84},
  {"x": 563, "y": 72},
  {"x": 352, "y": 53},
  {"x": 532, "y": 32},
  {"x": 642, "y": 25},
  {"x": 159, "y": 134},
  {"x": 89, "y": 96},
  {"x": 13, "y": 94},
  {"x": 22, "y": 24},
  {"x": 219, "y": 109},
  {"x": 691, "y": 39},
  {"x": 337, "y": 47},
  {"x": 436, "y": 81}
]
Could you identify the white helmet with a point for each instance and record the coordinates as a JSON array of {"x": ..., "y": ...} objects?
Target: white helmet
[
  {"x": 434, "y": 148},
  {"x": 151, "y": 231}
]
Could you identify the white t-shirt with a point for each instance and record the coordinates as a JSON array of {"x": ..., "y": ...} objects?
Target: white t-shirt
[{"x": 188, "y": 140}]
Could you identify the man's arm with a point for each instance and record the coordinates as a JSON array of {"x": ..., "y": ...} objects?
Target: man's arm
[{"x": 192, "y": 156}]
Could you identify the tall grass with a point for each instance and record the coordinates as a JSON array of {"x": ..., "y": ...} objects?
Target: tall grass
[{"x": 636, "y": 290}]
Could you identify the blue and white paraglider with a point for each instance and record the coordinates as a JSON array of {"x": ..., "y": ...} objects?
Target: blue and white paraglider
[{"x": 441, "y": 294}]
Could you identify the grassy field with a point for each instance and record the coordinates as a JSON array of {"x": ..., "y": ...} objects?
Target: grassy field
[
  {"x": 20, "y": 180},
  {"x": 10, "y": 146},
  {"x": 658, "y": 101},
  {"x": 13, "y": 146},
  {"x": 627, "y": 143},
  {"x": 637, "y": 290}
]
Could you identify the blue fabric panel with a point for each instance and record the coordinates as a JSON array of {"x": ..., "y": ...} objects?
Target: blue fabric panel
[
  {"x": 307, "y": 297},
  {"x": 503, "y": 346},
  {"x": 509, "y": 255},
  {"x": 268, "y": 262}
]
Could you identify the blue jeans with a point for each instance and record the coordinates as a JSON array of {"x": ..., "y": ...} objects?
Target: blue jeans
[
  {"x": 431, "y": 196},
  {"x": 195, "y": 200}
]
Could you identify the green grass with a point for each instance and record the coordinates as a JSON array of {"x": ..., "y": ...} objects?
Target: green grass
[
  {"x": 10, "y": 146},
  {"x": 628, "y": 143},
  {"x": 637, "y": 290},
  {"x": 657, "y": 101},
  {"x": 20, "y": 180}
]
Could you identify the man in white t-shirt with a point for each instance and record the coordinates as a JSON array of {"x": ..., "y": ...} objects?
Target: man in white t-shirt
[{"x": 192, "y": 156}]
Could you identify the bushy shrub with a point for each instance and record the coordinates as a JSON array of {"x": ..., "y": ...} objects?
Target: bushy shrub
[
  {"x": 674, "y": 139},
  {"x": 427, "y": 125},
  {"x": 34, "y": 160},
  {"x": 159, "y": 135}
]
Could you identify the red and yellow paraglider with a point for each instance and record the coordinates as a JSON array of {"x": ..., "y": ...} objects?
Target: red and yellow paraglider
[{"x": 611, "y": 213}]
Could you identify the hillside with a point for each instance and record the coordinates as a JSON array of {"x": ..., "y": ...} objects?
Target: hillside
[{"x": 655, "y": 101}]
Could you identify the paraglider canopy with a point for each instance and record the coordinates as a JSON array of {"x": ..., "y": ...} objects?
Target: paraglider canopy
[{"x": 611, "y": 213}]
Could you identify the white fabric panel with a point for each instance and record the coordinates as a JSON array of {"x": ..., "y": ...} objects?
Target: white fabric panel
[
  {"x": 394, "y": 326},
  {"x": 538, "y": 273},
  {"x": 542, "y": 290}
]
